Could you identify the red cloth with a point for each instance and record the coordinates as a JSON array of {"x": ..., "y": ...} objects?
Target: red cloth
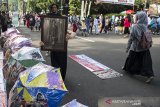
[
  {"x": 127, "y": 23},
  {"x": 27, "y": 23},
  {"x": 74, "y": 27}
]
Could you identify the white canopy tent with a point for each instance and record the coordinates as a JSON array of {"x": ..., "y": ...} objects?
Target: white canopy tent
[{"x": 123, "y": 2}]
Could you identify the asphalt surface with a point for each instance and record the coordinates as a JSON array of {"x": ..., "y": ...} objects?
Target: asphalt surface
[{"x": 110, "y": 51}]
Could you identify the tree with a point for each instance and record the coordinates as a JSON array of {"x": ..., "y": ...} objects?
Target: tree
[
  {"x": 75, "y": 6},
  {"x": 39, "y": 5}
]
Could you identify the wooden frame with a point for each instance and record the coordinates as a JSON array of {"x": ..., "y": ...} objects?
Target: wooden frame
[{"x": 53, "y": 33}]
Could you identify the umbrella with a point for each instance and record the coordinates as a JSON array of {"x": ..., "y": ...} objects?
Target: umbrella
[
  {"x": 3, "y": 98},
  {"x": 11, "y": 39},
  {"x": 74, "y": 103},
  {"x": 28, "y": 56},
  {"x": 10, "y": 31},
  {"x": 41, "y": 80},
  {"x": 127, "y": 12},
  {"x": 19, "y": 43}
]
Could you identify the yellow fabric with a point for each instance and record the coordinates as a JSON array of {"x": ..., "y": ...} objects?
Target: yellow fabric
[
  {"x": 83, "y": 25},
  {"x": 19, "y": 90},
  {"x": 27, "y": 96},
  {"x": 24, "y": 78},
  {"x": 40, "y": 81}
]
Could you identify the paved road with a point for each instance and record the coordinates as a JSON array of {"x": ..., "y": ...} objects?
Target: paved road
[{"x": 110, "y": 51}]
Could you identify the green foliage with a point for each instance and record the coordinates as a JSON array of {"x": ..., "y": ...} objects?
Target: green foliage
[
  {"x": 75, "y": 6},
  {"x": 39, "y": 5}
]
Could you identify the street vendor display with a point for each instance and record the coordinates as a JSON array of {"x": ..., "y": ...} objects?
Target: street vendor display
[
  {"x": 40, "y": 82},
  {"x": 34, "y": 82}
]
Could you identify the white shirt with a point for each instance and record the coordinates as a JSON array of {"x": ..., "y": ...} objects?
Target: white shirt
[
  {"x": 95, "y": 21},
  {"x": 149, "y": 20}
]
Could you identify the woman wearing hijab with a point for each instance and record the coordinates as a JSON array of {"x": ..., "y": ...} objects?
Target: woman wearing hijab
[{"x": 139, "y": 60}]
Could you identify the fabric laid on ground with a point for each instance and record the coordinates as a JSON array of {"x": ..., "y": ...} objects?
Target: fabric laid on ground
[
  {"x": 95, "y": 67},
  {"x": 74, "y": 103}
]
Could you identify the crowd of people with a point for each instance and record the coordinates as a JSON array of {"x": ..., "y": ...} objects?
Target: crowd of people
[
  {"x": 139, "y": 61},
  {"x": 102, "y": 24},
  {"x": 154, "y": 24},
  {"x": 32, "y": 21}
]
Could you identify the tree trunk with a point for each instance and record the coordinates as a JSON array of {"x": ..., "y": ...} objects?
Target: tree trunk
[
  {"x": 82, "y": 10},
  {"x": 85, "y": 8},
  {"x": 89, "y": 8}
]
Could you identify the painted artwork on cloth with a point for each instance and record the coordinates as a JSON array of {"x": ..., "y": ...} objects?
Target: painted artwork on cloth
[
  {"x": 95, "y": 67},
  {"x": 53, "y": 33}
]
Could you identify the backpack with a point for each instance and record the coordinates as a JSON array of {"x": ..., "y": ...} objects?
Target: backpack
[{"x": 146, "y": 40}]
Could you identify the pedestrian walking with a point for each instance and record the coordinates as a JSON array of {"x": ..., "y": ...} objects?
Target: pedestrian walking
[
  {"x": 32, "y": 21},
  {"x": 84, "y": 27},
  {"x": 127, "y": 24},
  {"x": 95, "y": 23},
  {"x": 87, "y": 20},
  {"x": 121, "y": 25},
  {"x": 139, "y": 60},
  {"x": 27, "y": 16},
  {"x": 24, "y": 20},
  {"x": 103, "y": 23},
  {"x": 37, "y": 22}
]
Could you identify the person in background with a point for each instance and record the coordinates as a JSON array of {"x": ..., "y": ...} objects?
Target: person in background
[
  {"x": 103, "y": 23},
  {"x": 74, "y": 26},
  {"x": 24, "y": 20},
  {"x": 87, "y": 24},
  {"x": 32, "y": 21},
  {"x": 91, "y": 25},
  {"x": 4, "y": 22},
  {"x": 0, "y": 23},
  {"x": 84, "y": 27},
  {"x": 109, "y": 24},
  {"x": 158, "y": 24},
  {"x": 121, "y": 25},
  {"x": 106, "y": 25},
  {"x": 127, "y": 24},
  {"x": 27, "y": 16},
  {"x": 95, "y": 23},
  {"x": 139, "y": 61},
  {"x": 37, "y": 22}
]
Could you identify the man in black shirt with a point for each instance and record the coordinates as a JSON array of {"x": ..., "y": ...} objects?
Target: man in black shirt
[{"x": 58, "y": 58}]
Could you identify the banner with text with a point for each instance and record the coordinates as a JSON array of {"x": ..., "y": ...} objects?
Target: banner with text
[
  {"x": 125, "y": 2},
  {"x": 95, "y": 67}
]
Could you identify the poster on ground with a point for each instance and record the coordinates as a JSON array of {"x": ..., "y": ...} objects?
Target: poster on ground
[{"x": 95, "y": 67}]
